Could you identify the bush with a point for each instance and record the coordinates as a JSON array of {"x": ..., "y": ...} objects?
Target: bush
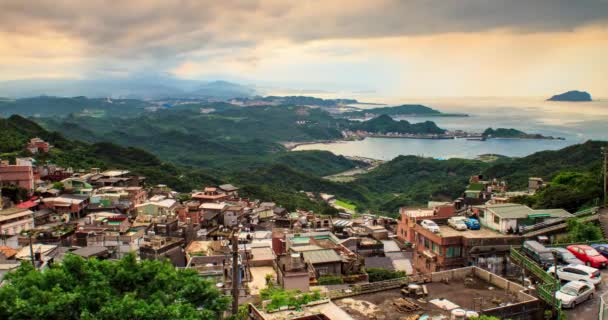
[
  {"x": 327, "y": 280},
  {"x": 379, "y": 274},
  {"x": 578, "y": 232},
  {"x": 292, "y": 298}
]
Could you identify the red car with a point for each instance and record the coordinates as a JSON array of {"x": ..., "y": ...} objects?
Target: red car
[{"x": 588, "y": 255}]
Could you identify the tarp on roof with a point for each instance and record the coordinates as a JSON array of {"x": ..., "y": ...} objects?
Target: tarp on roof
[{"x": 27, "y": 204}]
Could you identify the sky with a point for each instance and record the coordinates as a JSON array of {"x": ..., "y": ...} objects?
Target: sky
[{"x": 422, "y": 48}]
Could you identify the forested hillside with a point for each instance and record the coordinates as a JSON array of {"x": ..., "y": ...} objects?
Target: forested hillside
[{"x": 187, "y": 148}]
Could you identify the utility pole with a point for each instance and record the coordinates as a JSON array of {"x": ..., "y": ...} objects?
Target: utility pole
[
  {"x": 605, "y": 175},
  {"x": 29, "y": 236},
  {"x": 235, "y": 271}
]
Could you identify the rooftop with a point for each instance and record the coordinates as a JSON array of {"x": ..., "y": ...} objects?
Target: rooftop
[
  {"x": 11, "y": 211},
  {"x": 418, "y": 213},
  {"x": 447, "y": 231},
  {"x": 228, "y": 187},
  {"x": 115, "y": 173},
  {"x": 321, "y": 256},
  {"x": 519, "y": 211}
]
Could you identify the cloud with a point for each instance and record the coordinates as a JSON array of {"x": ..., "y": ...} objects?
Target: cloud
[
  {"x": 161, "y": 29},
  {"x": 392, "y": 43}
]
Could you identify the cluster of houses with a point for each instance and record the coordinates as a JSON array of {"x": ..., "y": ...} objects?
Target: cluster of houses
[
  {"x": 108, "y": 214},
  {"x": 232, "y": 239},
  {"x": 502, "y": 224}
]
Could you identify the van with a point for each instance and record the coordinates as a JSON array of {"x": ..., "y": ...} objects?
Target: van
[{"x": 539, "y": 253}]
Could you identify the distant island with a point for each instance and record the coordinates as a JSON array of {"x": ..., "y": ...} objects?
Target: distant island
[
  {"x": 573, "y": 96},
  {"x": 415, "y": 110},
  {"x": 514, "y": 134}
]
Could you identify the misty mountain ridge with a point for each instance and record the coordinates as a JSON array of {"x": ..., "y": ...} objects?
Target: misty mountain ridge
[{"x": 135, "y": 87}]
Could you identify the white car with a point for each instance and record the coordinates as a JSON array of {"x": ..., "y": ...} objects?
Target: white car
[
  {"x": 574, "y": 292},
  {"x": 457, "y": 223},
  {"x": 430, "y": 225},
  {"x": 573, "y": 272}
]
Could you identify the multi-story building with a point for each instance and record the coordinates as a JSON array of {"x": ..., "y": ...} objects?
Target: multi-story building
[
  {"x": 21, "y": 176},
  {"x": 409, "y": 216},
  {"x": 15, "y": 220},
  {"x": 449, "y": 248},
  {"x": 37, "y": 145}
]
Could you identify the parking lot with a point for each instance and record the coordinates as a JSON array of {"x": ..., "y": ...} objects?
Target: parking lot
[{"x": 589, "y": 309}]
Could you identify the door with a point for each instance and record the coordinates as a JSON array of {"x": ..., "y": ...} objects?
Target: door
[{"x": 583, "y": 294}]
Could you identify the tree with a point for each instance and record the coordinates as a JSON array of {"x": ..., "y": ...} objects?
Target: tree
[
  {"x": 578, "y": 232},
  {"x": 93, "y": 289}
]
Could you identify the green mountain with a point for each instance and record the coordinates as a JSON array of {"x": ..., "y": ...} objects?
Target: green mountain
[
  {"x": 386, "y": 124},
  {"x": 402, "y": 110},
  {"x": 56, "y": 106}
]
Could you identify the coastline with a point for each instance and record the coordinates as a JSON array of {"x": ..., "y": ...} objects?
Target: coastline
[{"x": 290, "y": 146}]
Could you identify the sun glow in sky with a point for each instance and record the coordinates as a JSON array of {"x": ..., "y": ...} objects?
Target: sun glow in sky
[{"x": 405, "y": 48}]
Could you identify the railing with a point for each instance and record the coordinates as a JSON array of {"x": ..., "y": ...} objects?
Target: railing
[
  {"x": 603, "y": 315},
  {"x": 592, "y": 210},
  {"x": 546, "y": 290},
  {"x": 541, "y": 225}
]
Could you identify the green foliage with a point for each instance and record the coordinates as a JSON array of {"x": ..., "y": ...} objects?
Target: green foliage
[
  {"x": 14, "y": 193},
  {"x": 59, "y": 106},
  {"x": 346, "y": 205},
  {"x": 569, "y": 190},
  {"x": 579, "y": 232},
  {"x": 125, "y": 289},
  {"x": 484, "y": 317},
  {"x": 292, "y": 298},
  {"x": 380, "y": 274},
  {"x": 330, "y": 279}
]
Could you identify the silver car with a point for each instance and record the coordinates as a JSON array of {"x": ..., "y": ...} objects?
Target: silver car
[
  {"x": 458, "y": 223},
  {"x": 575, "y": 292}
]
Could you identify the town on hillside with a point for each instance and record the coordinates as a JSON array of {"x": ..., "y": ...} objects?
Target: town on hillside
[{"x": 480, "y": 254}]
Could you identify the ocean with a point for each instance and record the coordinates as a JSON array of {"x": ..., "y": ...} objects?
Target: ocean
[{"x": 575, "y": 121}]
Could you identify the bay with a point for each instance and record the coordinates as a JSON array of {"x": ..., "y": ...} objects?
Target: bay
[{"x": 576, "y": 122}]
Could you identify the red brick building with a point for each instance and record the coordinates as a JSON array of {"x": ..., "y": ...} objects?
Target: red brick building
[
  {"x": 409, "y": 216},
  {"x": 37, "y": 145},
  {"x": 20, "y": 176}
]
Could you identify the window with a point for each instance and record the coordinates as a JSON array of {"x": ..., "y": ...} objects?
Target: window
[
  {"x": 496, "y": 219},
  {"x": 427, "y": 243},
  {"x": 453, "y": 252},
  {"x": 435, "y": 248},
  {"x": 323, "y": 271}
]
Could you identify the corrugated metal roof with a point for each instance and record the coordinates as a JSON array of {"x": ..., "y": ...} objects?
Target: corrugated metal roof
[
  {"x": 342, "y": 223},
  {"x": 321, "y": 256}
]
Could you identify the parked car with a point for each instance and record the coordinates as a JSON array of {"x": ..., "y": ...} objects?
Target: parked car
[
  {"x": 458, "y": 223},
  {"x": 577, "y": 272},
  {"x": 588, "y": 255},
  {"x": 565, "y": 257},
  {"x": 538, "y": 253},
  {"x": 601, "y": 248},
  {"x": 472, "y": 223},
  {"x": 430, "y": 225},
  {"x": 575, "y": 292}
]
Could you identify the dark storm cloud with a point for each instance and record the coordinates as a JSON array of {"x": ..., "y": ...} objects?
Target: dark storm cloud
[{"x": 161, "y": 29}]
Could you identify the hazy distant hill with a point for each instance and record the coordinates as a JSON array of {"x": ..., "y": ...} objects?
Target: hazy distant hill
[
  {"x": 140, "y": 87},
  {"x": 574, "y": 96},
  {"x": 58, "y": 106}
]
